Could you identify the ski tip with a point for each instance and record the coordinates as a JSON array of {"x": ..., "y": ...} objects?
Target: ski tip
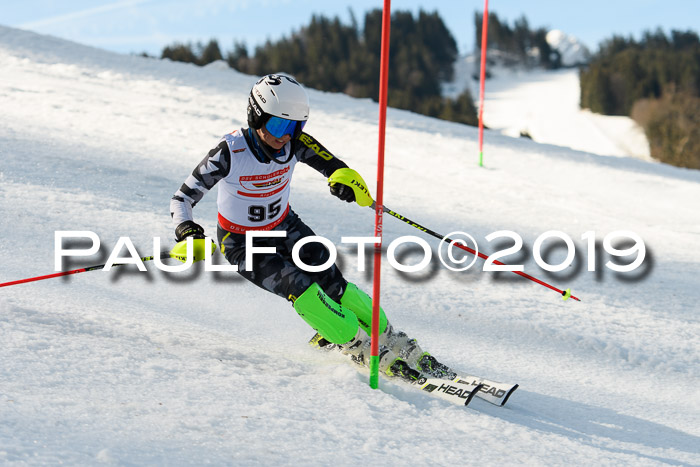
[
  {"x": 472, "y": 394},
  {"x": 505, "y": 399}
]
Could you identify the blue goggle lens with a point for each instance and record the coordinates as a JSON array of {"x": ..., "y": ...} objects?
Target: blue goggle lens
[{"x": 278, "y": 127}]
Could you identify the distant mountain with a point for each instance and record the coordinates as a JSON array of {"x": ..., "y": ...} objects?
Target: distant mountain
[
  {"x": 572, "y": 51},
  {"x": 467, "y": 67}
]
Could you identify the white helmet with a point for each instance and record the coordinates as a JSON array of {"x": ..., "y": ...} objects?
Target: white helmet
[{"x": 278, "y": 96}]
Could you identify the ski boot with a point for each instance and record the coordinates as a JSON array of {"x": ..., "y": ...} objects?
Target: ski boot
[
  {"x": 405, "y": 348},
  {"x": 411, "y": 359},
  {"x": 408, "y": 350},
  {"x": 400, "y": 369},
  {"x": 430, "y": 366},
  {"x": 358, "y": 349}
]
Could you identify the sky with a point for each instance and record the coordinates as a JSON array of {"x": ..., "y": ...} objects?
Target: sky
[{"x": 135, "y": 26}]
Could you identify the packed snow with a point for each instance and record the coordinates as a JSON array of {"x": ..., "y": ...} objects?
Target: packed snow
[
  {"x": 193, "y": 368},
  {"x": 545, "y": 105}
]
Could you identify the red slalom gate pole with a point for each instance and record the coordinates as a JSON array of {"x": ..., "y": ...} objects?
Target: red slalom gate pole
[
  {"x": 482, "y": 79},
  {"x": 383, "y": 91}
]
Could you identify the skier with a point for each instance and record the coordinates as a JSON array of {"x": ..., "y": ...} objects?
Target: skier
[{"x": 253, "y": 167}]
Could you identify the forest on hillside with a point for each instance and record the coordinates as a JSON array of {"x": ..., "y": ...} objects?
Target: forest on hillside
[
  {"x": 656, "y": 81},
  {"x": 332, "y": 56},
  {"x": 517, "y": 45}
]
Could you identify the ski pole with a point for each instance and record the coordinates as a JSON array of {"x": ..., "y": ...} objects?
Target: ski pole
[
  {"x": 179, "y": 252},
  {"x": 566, "y": 294},
  {"x": 349, "y": 177},
  {"x": 75, "y": 271}
]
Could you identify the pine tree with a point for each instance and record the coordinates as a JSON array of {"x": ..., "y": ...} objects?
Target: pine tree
[
  {"x": 179, "y": 53},
  {"x": 209, "y": 53}
]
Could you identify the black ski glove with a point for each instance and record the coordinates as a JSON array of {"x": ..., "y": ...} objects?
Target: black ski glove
[
  {"x": 188, "y": 229},
  {"x": 343, "y": 192}
]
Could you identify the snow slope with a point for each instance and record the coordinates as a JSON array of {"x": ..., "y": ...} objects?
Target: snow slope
[
  {"x": 193, "y": 368},
  {"x": 545, "y": 106}
]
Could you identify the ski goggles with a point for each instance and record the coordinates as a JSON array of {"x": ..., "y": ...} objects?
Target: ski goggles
[{"x": 278, "y": 127}]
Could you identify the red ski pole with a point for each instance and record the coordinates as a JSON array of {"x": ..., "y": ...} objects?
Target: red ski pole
[
  {"x": 74, "y": 271},
  {"x": 352, "y": 179},
  {"x": 566, "y": 294},
  {"x": 179, "y": 252}
]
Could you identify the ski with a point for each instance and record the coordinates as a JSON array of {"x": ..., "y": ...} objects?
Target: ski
[
  {"x": 490, "y": 391},
  {"x": 456, "y": 392}
]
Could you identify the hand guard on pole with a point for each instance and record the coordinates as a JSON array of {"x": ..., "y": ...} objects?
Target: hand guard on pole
[{"x": 351, "y": 180}]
